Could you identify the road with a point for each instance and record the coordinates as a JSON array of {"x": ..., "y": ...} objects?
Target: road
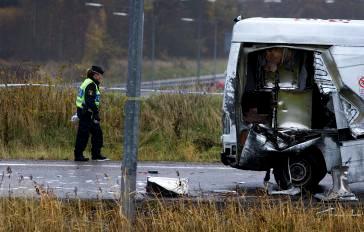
[{"x": 101, "y": 180}]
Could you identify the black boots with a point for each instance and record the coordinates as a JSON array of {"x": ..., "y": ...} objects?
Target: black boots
[
  {"x": 99, "y": 158},
  {"x": 81, "y": 158}
]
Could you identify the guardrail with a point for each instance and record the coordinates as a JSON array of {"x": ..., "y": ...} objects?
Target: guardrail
[
  {"x": 147, "y": 87},
  {"x": 121, "y": 89},
  {"x": 24, "y": 85},
  {"x": 183, "y": 81}
]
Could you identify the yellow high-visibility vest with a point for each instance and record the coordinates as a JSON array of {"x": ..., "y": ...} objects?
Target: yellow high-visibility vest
[{"x": 80, "y": 101}]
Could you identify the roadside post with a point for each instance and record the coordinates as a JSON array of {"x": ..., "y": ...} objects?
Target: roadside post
[{"x": 132, "y": 110}]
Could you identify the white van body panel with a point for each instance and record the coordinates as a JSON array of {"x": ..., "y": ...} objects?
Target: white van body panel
[
  {"x": 229, "y": 136},
  {"x": 350, "y": 62},
  {"x": 300, "y": 31}
]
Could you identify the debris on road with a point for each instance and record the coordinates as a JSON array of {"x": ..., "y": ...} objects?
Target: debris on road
[
  {"x": 291, "y": 191},
  {"x": 224, "y": 192},
  {"x": 340, "y": 190},
  {"x": 329, "y": 210},
  {"x": 168, "y": 187},
  {"x": 152, "y": 171},
  {"x": 8, "y": 170}
]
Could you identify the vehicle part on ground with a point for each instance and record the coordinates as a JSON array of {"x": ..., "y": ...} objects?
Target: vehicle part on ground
[
  {"x": 167, "y": 187},
  {"x": 292, "y": 191},
  {"x": 340, "y": 190}
]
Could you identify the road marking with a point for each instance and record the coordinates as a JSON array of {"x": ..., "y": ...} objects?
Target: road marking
[
  {"x": 184, "y": 167},
  {"x": 116, "y": 166}
]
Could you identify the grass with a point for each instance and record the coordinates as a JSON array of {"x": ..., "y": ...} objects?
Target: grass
[
  {"x": 35, "y": 124},
  {"x": 164, "y": 69},
  {"x": 49, "y": 214},
  {"x": 116, "y": 71}
]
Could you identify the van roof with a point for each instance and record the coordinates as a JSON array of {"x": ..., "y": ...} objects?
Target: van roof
[{"x": 300, "y": 31}]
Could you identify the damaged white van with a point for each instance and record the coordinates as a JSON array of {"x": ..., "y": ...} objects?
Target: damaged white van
[{"x": 294, "y": 99}]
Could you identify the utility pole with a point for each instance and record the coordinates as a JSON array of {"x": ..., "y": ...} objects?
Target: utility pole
[
  {"x": 215, "y": 37},
  {"x": 153, "y": 45},
  {"x": 132, "y": 110},
  {"x": 215, "y": 47},
  {"x": 199, "y": 25}
]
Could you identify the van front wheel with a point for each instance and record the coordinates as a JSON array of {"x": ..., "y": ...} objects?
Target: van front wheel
[{"x": 306, "y": 169}]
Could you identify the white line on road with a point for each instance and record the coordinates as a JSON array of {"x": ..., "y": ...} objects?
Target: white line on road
[{"x": 114, "y": 166}]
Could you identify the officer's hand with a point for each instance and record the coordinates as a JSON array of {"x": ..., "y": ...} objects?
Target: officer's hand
[{"x": 96, "y": 118}]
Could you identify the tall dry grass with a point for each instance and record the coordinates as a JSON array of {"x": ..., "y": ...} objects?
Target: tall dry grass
[
  {"x": 48, "y": 214},
  {"x": 35, "y": 124}
]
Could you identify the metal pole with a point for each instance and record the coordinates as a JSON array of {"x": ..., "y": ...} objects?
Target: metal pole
[
  {"x": 215, "y": 47},
  {"x": 153, "y": 49},
  {"x": 215, "y": 39},
  {"x": 199, "y": 42},
  {"x": 132, "y": 109}
]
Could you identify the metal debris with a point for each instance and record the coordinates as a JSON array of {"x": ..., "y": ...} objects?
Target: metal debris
[
  {"x": 329, "y": 210},
  {"x": 291, "y": 191},
  {"x": 340, "y": 190},
  {"x": 165, "y": 186},
  {"x": 21, "y": 178},
  {"x": 225, "y": 192},
  {"x": 152, "y": 171}
]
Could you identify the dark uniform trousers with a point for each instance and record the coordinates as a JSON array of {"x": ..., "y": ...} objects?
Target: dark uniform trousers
[{"x": 86, "y": 127}]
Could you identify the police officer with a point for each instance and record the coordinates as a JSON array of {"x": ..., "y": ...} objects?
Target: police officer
[{"x": 87, "y": 102}]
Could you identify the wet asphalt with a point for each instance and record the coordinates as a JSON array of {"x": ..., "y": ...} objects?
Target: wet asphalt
[{"x": 101, "y": 180}]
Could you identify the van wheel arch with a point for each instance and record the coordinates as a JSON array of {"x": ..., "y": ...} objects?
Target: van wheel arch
[{"x": 307, "y": 169}]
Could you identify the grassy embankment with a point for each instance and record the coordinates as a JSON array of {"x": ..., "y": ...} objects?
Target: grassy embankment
[
  {"x": 116, "y": 72},
  {"x": 49, "y": 214},
  {"x": 35, "y": 124}
]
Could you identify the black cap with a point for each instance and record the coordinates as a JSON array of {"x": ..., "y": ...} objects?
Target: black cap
[{"x": 97, "y": 69}]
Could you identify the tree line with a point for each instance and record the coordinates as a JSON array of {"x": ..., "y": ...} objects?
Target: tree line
[{"x": 72, "y": 31}]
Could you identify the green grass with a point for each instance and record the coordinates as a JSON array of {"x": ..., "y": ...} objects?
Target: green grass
[{"x": 35, "y": 124}]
